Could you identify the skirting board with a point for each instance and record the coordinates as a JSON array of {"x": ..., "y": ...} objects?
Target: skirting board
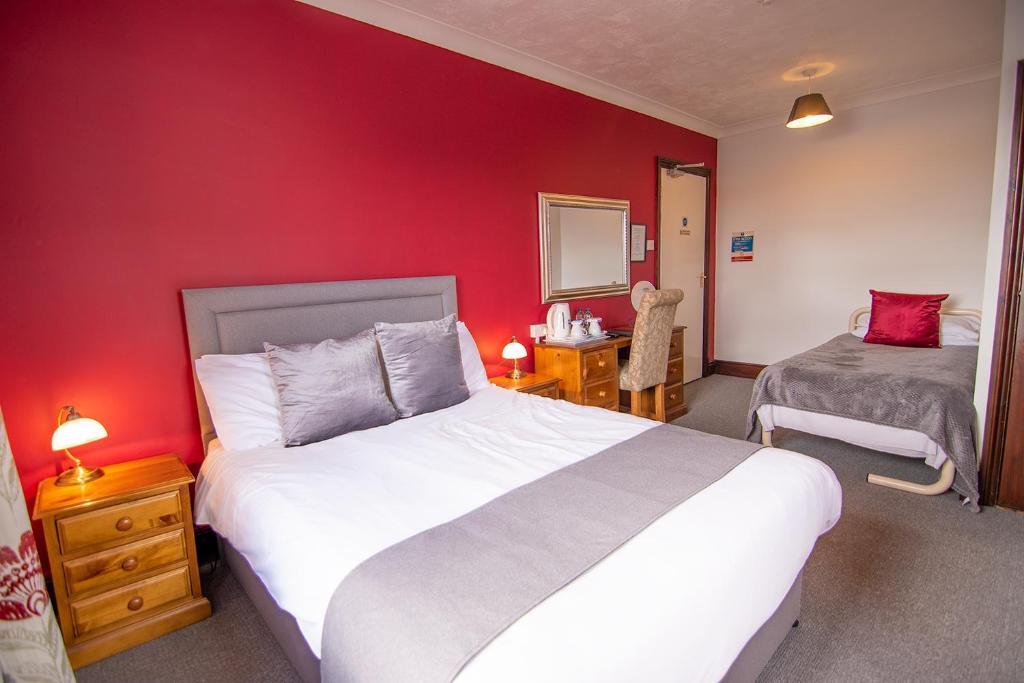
[{"x": 735, "y": 368}]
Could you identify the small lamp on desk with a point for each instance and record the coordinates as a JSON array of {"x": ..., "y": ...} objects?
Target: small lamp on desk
[
  {"x": 75, "y": 430},
  {"x": 514, "y": 351}
]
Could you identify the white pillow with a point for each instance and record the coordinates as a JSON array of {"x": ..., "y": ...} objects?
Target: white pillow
[
  {"x": 242, "y": 397},
  {"x": 959, "y": 330},
  {"x": 472, "y": 365},
  {"x": 954, "y": 330}
]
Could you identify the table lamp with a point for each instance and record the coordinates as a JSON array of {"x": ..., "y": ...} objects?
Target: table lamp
[
  {"x": 75, "y": 430},
  {"x": 514, "y": 351}
]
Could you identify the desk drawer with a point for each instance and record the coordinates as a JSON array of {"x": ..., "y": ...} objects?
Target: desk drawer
[
  {"x": 675, "y": 345},
  {"x": 130, "y": 602},
  {"x": 673, "y": 396},
  {"x": 675, "y": 371},
  {"x": 124, "y": 563},
  {"x": 603, "y": 394},
  {"x": 123, "y": 521},
  {"x": 600, "y": 365}
]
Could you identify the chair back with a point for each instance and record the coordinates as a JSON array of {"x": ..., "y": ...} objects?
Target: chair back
[{"x": 648, "y": 355}]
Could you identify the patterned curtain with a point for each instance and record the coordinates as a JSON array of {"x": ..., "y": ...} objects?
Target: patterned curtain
[{"x": 31, "y": 647}]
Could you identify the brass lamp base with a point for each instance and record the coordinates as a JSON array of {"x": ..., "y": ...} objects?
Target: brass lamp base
[
  {"x": 516, "y": 374},
  {"x": 77, "y": 475}
]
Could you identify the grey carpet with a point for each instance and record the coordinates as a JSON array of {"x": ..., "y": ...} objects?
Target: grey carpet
[
  {"x": 904, "y": 588},
  {"x": 717, "y": 405}
]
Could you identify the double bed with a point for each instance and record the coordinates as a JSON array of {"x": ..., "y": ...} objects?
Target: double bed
[{"x": 707, "y": 591}]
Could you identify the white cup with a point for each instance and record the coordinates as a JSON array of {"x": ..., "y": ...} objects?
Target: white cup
[{"x": 595, "y": 327}]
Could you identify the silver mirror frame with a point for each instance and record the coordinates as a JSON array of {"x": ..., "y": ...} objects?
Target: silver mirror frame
[{"x": 547, "y": 200}]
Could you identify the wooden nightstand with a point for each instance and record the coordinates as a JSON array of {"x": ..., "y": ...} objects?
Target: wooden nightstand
[
  {"x": 122, "y": 556},
  {"x": 541, "y": 385}
]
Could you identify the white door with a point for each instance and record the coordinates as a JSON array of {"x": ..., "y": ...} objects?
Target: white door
[{"x": 682, "y": 220}]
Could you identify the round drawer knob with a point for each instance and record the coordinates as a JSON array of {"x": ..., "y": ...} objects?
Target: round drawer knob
[
  {"x": 600, "y": 363},
  {"x": 135, "y": 604},
  {"x": 671, "y": 397},
  {"x": 601, "y": 394},
  {"x": 124, "y": 524},
  {"x": 130, "y": 563}
]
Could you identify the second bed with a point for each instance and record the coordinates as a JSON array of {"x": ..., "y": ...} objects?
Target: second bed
[{"x": 913, "y": 402}]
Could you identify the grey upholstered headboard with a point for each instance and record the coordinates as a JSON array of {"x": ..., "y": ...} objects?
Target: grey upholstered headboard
[{"x": 239, "y": 319}]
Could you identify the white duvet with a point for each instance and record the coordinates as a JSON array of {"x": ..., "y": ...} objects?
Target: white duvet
[{"x": 677, "y": 602}]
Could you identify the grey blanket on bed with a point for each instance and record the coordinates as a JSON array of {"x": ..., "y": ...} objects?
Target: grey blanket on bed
[
  {"x": 421, "y": 609},
  {"x": 927, "y": 390}
]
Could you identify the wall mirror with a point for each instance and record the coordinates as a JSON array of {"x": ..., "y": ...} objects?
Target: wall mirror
[{"x": 584, "y": 247}]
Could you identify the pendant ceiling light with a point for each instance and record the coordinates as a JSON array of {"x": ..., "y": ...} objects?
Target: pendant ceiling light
[{"x": 810, "y": 109}]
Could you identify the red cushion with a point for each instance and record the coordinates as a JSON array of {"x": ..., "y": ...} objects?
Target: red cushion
[{"x": 904, "y": 319}]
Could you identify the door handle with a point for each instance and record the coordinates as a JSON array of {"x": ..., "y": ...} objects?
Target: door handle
[{"x": 703, "y": 278}]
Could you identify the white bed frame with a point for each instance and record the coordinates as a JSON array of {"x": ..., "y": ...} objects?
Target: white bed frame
[{"x": 947, "y": 472}]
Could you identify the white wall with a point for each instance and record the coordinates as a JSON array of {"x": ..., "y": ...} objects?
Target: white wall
[
  {"x": 1013, "y": 50},
  {"x": 893, "y": 196}
]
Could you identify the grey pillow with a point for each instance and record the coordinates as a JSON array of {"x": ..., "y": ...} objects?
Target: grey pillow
[
  {"x": 330, "y": 388},
  {"x": 424, "y": 365}
]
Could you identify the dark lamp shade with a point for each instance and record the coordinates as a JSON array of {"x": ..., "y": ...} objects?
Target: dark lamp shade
[{"x": 809, "y": 110}]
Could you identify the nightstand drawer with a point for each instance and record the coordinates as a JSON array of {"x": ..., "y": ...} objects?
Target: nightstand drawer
[
  {"x": 600, "y": 364},
  {"x": 550, "y": 391},
  {"x": 675, "y": 371},
  {"x": 601, "y": 394},
  {"x": 130, "y": 602},
  {"x": 675, "y": 345},
  {"x": 123, "y": 521},
  {"x": 124, "y": 563}
]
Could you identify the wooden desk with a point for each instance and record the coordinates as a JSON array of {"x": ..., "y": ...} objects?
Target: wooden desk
[{"x": 590, "y": 373}]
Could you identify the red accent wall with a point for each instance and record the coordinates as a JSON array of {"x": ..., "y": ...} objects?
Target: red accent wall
[{"x": 149, "y": 147}]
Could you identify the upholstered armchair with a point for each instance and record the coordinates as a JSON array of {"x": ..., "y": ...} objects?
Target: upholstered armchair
[{"x": 648, "y": 355}]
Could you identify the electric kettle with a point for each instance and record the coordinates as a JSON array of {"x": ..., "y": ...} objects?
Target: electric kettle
[{"x": 558, "y": 321}]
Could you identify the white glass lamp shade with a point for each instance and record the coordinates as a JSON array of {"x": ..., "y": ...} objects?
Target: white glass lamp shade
[
  {"x": 513, "y": 350},
  {"x": 75, "y": 432}
]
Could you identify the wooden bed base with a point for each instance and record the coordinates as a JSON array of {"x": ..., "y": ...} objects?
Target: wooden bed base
[{"x": 945, "y": 480}]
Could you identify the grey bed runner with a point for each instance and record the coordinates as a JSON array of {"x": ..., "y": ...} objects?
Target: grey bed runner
[
  {"x": 423, "y": 608},
  {"x": 927, "y": 390}
]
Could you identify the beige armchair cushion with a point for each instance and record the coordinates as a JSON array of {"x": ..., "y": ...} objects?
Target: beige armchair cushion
[{"x": 648, "y": 354}]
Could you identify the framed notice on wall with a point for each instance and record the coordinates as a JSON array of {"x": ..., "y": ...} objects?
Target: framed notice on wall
[
  {"x": 638, "y": 242},
  {"x": 742, "y": 247}
]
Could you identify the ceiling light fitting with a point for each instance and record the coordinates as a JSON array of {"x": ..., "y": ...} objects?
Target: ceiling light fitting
[{"x": 810, "y": 109}]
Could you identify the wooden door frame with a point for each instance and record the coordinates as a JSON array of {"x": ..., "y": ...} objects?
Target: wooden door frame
[
  {"x": 1008, "y": 306},
  {"x": 707, "y": 173}
]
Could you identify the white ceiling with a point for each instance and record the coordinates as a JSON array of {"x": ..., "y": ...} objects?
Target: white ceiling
[{"x": 712, "y": 65}]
